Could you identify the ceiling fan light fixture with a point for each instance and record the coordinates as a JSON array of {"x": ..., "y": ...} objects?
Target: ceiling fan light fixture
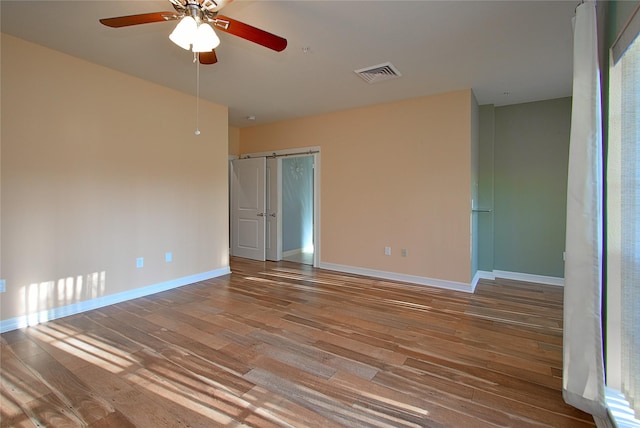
[
  {"x": 194, "y": 31},
  {"x": 185, "y": 32},
  {"x": 206, "y": 39}
]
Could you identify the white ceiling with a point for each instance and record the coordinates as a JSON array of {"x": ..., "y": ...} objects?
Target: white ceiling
[{"x": 507, "y": 51}]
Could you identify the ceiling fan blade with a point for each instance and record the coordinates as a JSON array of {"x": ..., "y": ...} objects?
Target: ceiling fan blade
[
  {"x": 143, "y": 18},
  {"x": 208, "y": 57},
  {"x": 250, "y": 33}
]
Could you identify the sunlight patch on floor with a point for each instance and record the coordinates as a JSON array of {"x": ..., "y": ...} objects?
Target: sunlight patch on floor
[{"x": 83, "y": 346}]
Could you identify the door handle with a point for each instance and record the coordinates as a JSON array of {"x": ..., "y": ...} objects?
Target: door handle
[
  {"x": 272, "y": 214},
  {"x": 260, "y": 214}
]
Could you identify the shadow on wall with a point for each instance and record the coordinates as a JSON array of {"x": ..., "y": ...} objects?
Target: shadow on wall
[{"x": 38, "y": 299}]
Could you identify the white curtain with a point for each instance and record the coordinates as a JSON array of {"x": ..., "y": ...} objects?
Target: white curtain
[{"x": 583, "y": 375}]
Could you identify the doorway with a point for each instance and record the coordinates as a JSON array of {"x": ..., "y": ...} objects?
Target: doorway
[
  {"x": 297, "y": 209},
  {"x": 274, "y": 206}
]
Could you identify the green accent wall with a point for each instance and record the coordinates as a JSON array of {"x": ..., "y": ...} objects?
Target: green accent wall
[
  {"x": 529, "y": 174},
  {"x": 485, "y": 190},
  {"x": 531, "y": 152},
  {"x": 475, "y": 178},
  {"x": 618, "y": 14},
  {"x": 523, "y": 162}
]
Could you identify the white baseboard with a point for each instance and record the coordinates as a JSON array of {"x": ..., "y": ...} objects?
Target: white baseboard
[
  {"x": 76, "y": 308},
  {"x": 527, "y": 277},
  {"x": 290, "y": 253},
  {"x": 483, "y": 274},
  {"x": 440, "y": 283},
  {"x": 432, "y": 282}
]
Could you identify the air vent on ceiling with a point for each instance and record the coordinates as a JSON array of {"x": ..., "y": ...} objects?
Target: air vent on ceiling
[{"x": 378, "y": 73}]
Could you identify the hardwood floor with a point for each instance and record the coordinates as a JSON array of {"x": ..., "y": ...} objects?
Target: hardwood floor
[{"x": 282, "y": 344}]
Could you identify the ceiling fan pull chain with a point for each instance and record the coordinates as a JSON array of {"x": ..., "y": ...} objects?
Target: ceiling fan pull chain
[{"x": 195, "y": 59}]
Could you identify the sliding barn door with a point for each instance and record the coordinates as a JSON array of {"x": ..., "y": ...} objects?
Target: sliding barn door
[{"x": 248, "y": 211}]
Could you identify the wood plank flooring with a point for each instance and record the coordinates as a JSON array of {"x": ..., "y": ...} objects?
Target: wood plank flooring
[{"x": 286, "y": 345}]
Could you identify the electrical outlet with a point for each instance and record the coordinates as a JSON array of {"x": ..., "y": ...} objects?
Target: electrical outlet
[
  {"x": 3, "y": 285},
  {"x": 168, "y": 257},
  {"x": 387, "y": 251},
  {"x": 140, "y": 262}
]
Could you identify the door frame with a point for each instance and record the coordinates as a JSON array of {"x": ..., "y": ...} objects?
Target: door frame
[
  {"x": 303, "y": 151},
  {"x": 273, "y": 202}
]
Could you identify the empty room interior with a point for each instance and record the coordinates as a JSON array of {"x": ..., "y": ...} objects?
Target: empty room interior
[{"x": 337, "y": 213}]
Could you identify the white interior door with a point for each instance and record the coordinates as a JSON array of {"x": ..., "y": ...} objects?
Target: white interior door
[
  {"x": 248, "y": 211},
  {"x": 273, "y": 241}
]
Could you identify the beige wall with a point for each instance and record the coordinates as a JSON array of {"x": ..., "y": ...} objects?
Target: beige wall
[
  {"x": 234, "y": 141},
  {"x": 97, "y": 170},
  {"x": 391, "y": 175}
]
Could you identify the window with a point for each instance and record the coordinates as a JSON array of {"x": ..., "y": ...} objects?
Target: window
[{"x": 623, "y": 217}]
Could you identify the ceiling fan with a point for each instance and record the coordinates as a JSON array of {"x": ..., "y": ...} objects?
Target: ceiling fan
[{"x": 194, "y": 29}]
